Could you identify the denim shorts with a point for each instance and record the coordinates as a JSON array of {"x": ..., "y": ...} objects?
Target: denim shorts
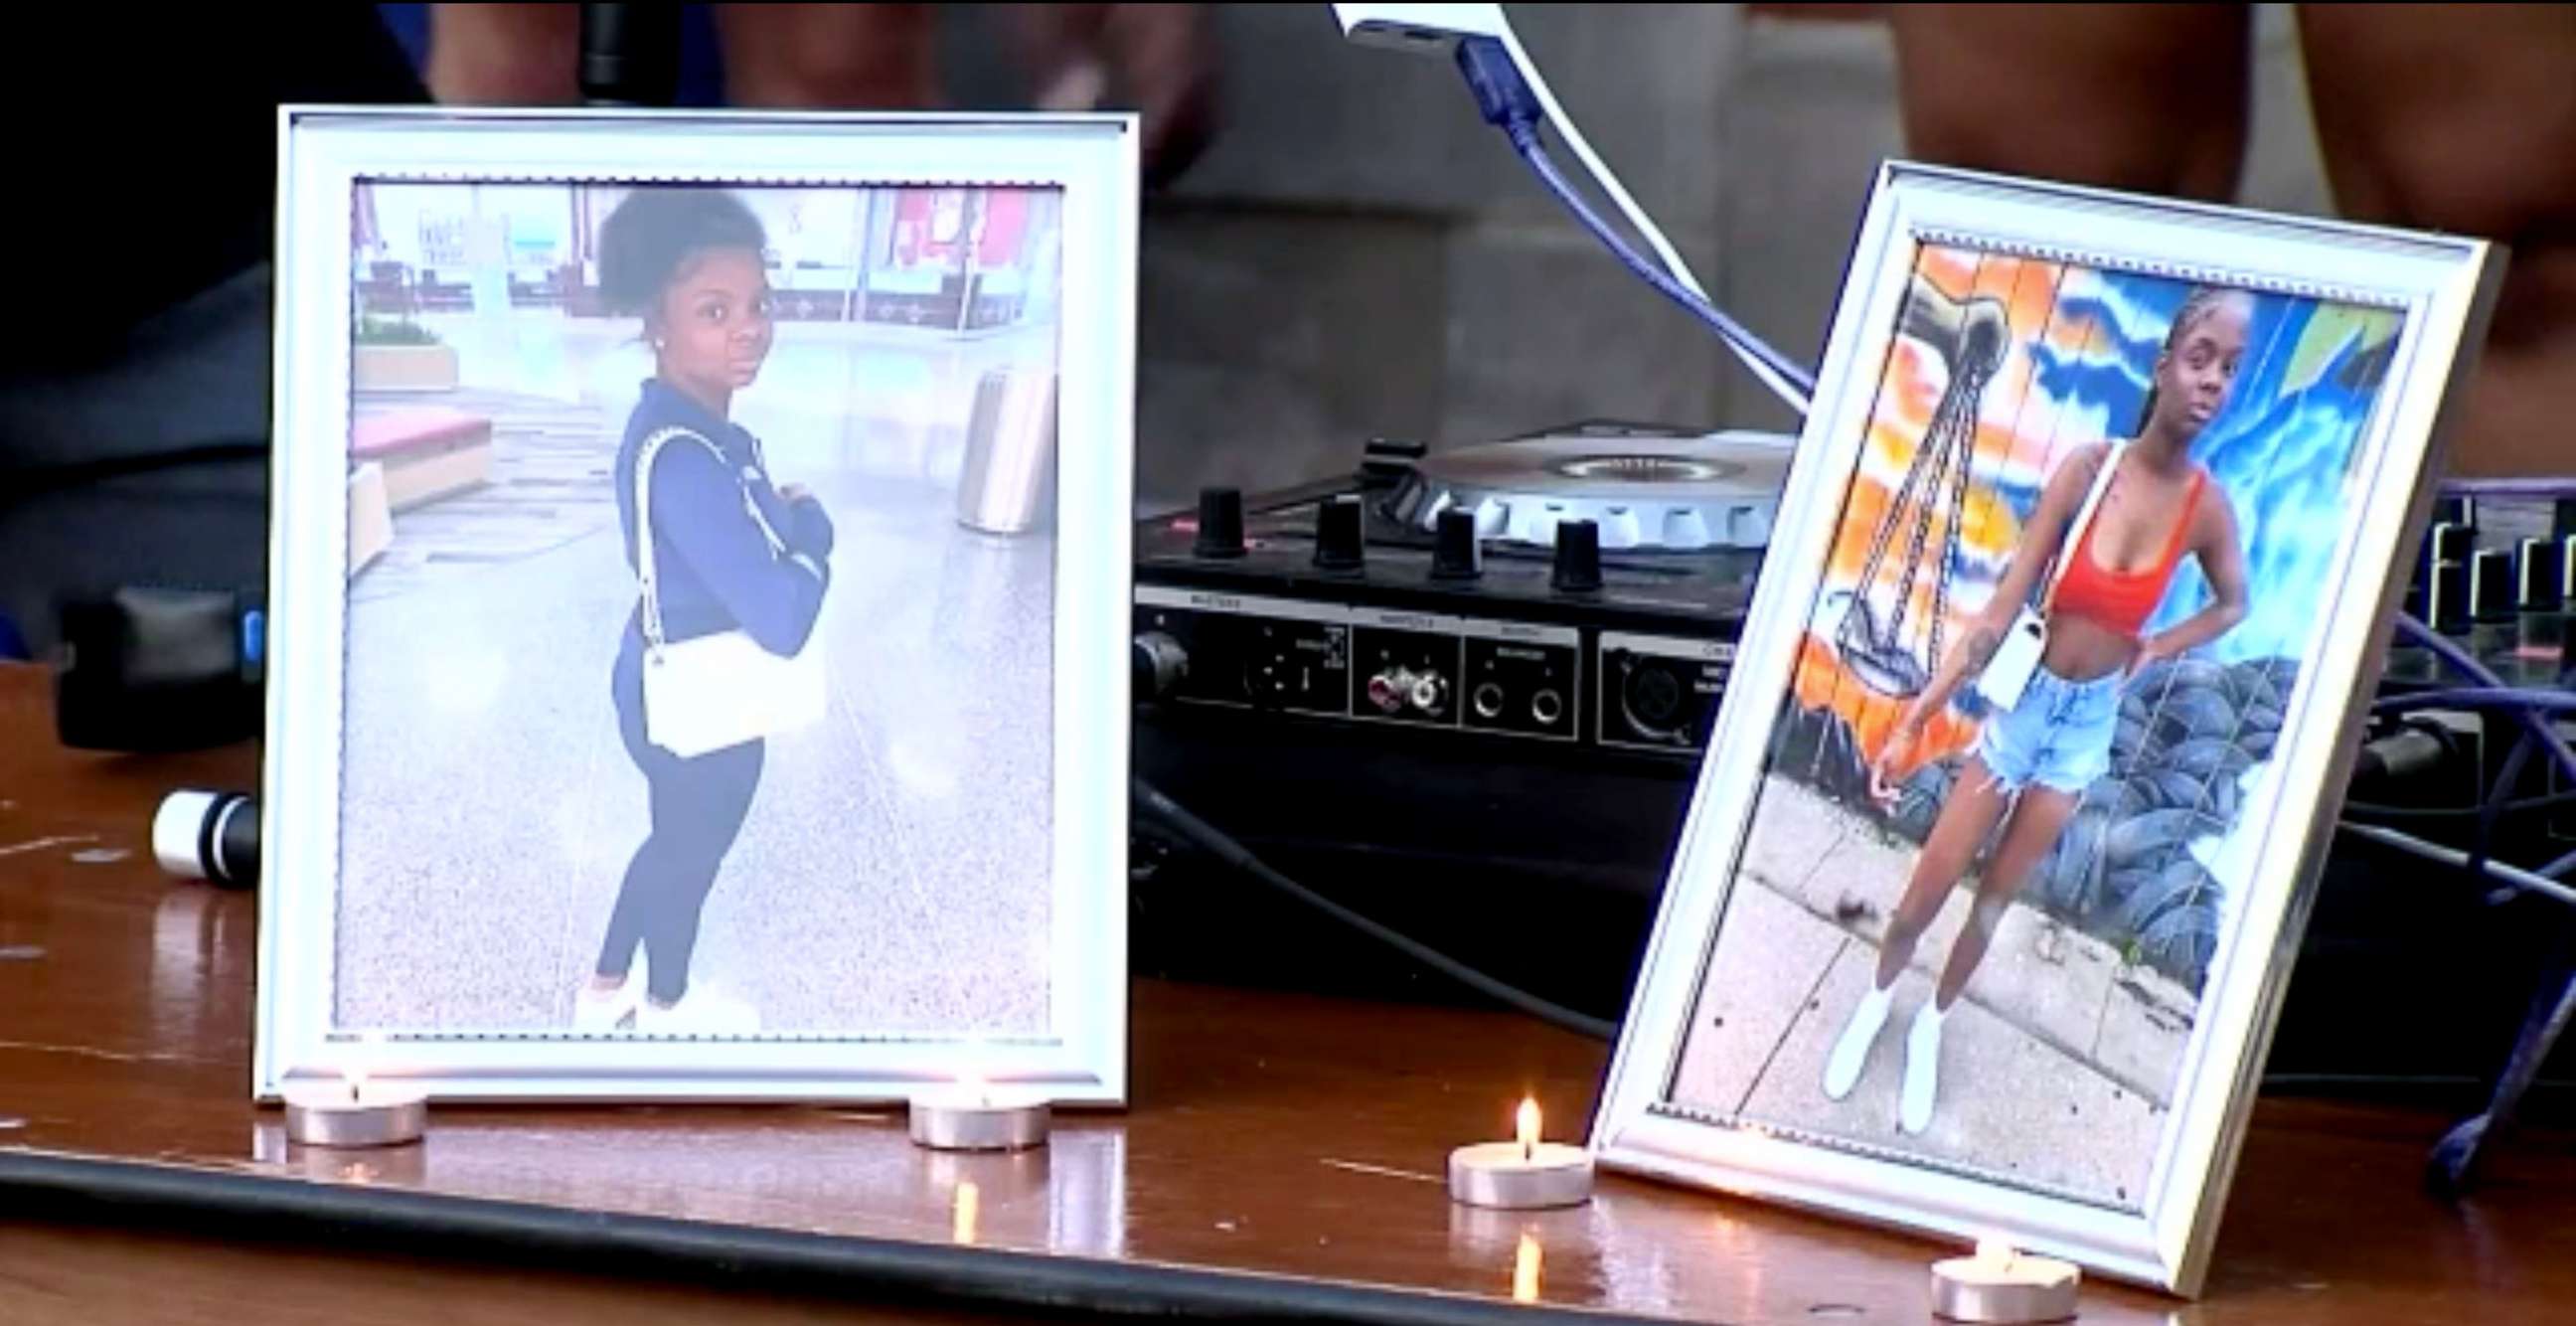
[{"x": 2059, "y": 736}]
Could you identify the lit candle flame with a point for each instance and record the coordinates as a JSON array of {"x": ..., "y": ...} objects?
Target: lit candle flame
[
  {"x": 1526, "y": 1126},
  {"x": 1996, "y": 1253},
  {"x": 969, "y": 1205},
  {"x": 1525, "y": 1262}
]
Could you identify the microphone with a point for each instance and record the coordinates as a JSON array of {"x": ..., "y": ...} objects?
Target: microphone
[
  {"x": 213, "y": 836},
  {"x": 630, "y": 54}
]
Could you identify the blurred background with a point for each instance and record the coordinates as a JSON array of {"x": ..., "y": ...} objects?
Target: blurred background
[
  {"x": 1348, "y": 252},
  {"x": 1335, "y": 246},
  {"x": 1355, "y": 253}
]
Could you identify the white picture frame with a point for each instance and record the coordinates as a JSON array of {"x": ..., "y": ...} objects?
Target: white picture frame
[
  {"x": 1754, "y": 1126},
  {"x": 1073, "y": 1049}
]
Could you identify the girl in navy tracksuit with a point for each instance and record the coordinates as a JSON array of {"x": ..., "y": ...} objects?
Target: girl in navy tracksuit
[{"x": 689, "y": 262}]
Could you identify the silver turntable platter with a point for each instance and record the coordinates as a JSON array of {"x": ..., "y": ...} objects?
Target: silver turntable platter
[{"x": 1644, "y": 493}]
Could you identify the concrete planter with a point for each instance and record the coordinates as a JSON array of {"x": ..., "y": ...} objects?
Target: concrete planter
[
  {"x": 404, "y": 368},
  {"x": 371, "y": 516}
]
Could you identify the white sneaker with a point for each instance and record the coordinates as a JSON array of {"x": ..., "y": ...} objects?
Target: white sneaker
[
  {"x": 1851, "y": 1053},
  {"x": 1922, "y": 1070},
  {"x": 594, "y": 1009},
  {"x": 703, "y": 1011}
]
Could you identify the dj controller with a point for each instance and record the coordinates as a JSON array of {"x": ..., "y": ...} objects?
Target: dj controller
[
  {"x": 1467, "y": 693},
  {"x": 1574, "y": 593}
]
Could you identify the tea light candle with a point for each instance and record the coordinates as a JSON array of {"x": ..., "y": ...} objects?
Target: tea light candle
[
  {"x": 2000, "y": 1284},
  {"x": 1521, "y": 1175},
  {"x": 357, "y": 1111},
  {"x": 972, "y": 1114}
]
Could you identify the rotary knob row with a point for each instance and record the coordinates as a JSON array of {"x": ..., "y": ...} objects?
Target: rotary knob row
[{"x": 1341, "y": 541}]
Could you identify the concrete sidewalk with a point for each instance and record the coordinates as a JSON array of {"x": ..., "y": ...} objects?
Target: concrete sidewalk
[{"x": 2057, "y": 1066}]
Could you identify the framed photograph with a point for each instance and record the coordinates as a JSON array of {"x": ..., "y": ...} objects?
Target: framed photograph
[
  {"x": 2042, "y": 715},
  {"x": 699, "y": 576}
]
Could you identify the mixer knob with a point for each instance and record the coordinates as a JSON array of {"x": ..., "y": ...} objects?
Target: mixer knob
[
  {"x": 1157, "y": 664},
  {"x": 1220, "y": 523},
  {"x": 1578, "y": 557},
  {"x": 1455, "y": 552},
  {"x": 2543, "y": 582},
  {"x": 2491, "y": 585},
  {"x": 1340, "y": 544},
  {"x": 2448, "y": 606}
]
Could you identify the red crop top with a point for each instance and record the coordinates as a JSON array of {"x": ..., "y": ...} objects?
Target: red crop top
[{"x": 2117, "y": 600}]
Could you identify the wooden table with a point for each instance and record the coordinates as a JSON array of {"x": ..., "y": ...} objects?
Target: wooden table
[{"x": 1281, "y": 1161}]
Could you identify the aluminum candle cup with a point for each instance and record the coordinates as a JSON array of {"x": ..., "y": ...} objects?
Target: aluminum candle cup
[
  {"x": 2000, "y": 1285},
  {"x": 360, "y": 1113},
  {"x": 967, "y": 1117},
  {"x": 1504, "y": 1176},
  {"x": 1522, "y": 1175}
]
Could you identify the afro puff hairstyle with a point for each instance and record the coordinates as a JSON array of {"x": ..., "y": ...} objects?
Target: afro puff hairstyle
[{"x": 651, "y": 235}]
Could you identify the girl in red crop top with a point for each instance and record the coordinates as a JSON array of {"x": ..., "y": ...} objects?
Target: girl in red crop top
[
  {"x": 2033, "y": 762},
  {"x": 2121, "y": 601}
]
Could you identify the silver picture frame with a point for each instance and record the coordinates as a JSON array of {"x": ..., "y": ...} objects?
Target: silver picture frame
[
  {"x": 1071, "y": 483},
  {"x": 2438, "y": 289}
]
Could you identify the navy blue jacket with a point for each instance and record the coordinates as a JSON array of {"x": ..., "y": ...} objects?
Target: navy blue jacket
[{"x": 714, "y": 567}]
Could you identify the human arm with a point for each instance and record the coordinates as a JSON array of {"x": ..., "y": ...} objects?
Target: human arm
[
  {"x": 2222, "y": 561},
  {"x": 2043, "y": 539},
  {"x": 504, "y": 54},
  {"x": 809, "y": 526},
  {"x": 698, "y": 513}
]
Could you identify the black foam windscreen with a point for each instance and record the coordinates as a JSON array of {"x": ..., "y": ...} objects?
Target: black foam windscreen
[
  {"x": 630, "y": 54},
  {"x": 151, "y": 669}
]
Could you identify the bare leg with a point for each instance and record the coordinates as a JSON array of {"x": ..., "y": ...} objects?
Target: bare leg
[
  {"x": 837, "y": 56},
  {"x": 1969, "y": 815},
  {"x": 506, "y": 55},
  {"x": 2142, "y": 97},
  {"x": 2459, "y": 118},
  {"x": 2036, "y": 821}
]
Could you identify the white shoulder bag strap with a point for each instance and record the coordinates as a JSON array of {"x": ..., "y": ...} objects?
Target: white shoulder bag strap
[
  {"x": 644, "y": 455},
  {"x": 2083, "y": 521},
  {"x": 651, "y": 447}
]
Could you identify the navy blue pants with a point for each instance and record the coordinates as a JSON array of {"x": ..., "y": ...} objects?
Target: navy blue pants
[{"x": 698, "y": 807}]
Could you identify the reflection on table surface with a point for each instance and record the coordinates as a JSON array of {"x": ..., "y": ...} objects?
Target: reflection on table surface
[{"x": 1272, "y": 1134}]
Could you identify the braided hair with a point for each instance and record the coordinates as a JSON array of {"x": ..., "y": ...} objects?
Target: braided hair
[{"x": 2197, "y": 305}]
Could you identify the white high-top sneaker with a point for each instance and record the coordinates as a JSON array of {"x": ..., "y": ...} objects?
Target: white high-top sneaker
[
  {"x": 703, "y": 1011},
  {"x": 1851, "y": 1053},
  {"x": 1922, "y": 1070},
  {"x": 594, "y": 1009}
]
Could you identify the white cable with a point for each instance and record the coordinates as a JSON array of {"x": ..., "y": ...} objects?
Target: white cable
[
  {"x": 2505, "y": 874},
  {"x": 1790, "y": 393},
  {"x": 1600, "y": 171}
]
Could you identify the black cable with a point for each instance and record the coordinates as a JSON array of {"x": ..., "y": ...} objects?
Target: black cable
[
  {"x": 1215, "y": 842},
  {"x": 2381, "y": 811}
]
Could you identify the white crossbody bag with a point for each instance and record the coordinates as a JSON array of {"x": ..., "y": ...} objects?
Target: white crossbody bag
[
  {"x": 722, "y": 690},
  {"x": 2007, "y": 674}
]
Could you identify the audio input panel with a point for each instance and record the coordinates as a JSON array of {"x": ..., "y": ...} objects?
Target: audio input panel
[
  {"x": 1660, "y": 693},
  {"x": 1236, "y": 652},
  {"x": 1519, "y": 677},
  {"x": 1410, "y": 672}
]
